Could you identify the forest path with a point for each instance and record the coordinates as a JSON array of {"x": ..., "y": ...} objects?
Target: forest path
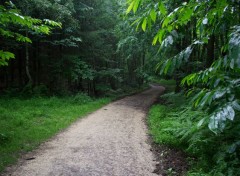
[{"x": 109, "y": 142}]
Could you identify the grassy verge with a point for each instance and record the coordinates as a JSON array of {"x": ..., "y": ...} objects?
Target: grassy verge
[
  {"x": 174, "y": 123},
  {"x": 25, "y": 123}
]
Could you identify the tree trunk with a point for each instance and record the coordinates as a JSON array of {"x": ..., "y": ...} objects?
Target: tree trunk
[{"x": 27, "y": 64}]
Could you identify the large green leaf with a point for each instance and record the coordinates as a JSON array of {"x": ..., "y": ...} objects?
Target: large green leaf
[
  {"x": 144, "y": 24},
  {"x": 153, "y": 15}
]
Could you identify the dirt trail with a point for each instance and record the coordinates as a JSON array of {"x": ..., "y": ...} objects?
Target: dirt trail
[{"x": 109, "y": 142}]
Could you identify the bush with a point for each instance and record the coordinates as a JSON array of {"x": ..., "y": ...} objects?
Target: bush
[
  {"x": 177, "y": 124},
  {"x": 40, "y": 90},
  {"x": 81, "y": 98}
]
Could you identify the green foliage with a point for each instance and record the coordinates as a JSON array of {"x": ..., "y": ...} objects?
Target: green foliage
[
  {"x": 168, "y": 66},
  {"x": 75, "y": 67},
  {"x": 81, "y": 56},
  {"x": 81, "y": 98},
  {"x": 133, "y": 48},
  {"x": 160, "y": 123},
  {"x": 5, "y": 56},
  {"x": 218, "y": 85},
  {"x": 25, "y": 123},
  {"x": 10, "y": 15},
  {"x": 176, "y": 124},
  {"x": 220, "y": 97},
  {"x": 199, "y": 43}
]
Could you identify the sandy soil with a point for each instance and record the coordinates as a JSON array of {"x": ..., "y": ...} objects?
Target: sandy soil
[{"x": 109, "y": 142}]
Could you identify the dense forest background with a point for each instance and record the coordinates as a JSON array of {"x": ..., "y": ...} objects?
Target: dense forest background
[{"x": 83, "y": 55}]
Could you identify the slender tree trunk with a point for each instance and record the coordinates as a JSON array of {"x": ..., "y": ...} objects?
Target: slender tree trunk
[
  {"x": 27, "y": 63},
  {"x": 38, "y": 64}
]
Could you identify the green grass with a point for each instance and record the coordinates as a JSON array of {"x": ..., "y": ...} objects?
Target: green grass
[
  {"x": 162, "y": 118},
  {"x": 25, "y": 123},
  {"x": 159, "y": 123},
  {"x": 174, "y": 124}
]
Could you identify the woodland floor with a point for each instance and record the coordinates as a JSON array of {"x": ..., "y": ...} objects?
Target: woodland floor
[{"x": 112, "y": 141}]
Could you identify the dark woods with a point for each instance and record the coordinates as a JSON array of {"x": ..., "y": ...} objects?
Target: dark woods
[{"x": 81, "y": 56}]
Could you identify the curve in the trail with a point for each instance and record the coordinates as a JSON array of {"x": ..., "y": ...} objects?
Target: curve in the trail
[{"x": 109, "y": 142}]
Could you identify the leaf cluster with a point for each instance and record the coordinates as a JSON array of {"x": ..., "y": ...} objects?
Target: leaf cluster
[{"x": 11, "y": 16}]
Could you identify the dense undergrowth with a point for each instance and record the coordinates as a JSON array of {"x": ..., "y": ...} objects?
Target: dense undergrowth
[{"x": 176, "y": 124}]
